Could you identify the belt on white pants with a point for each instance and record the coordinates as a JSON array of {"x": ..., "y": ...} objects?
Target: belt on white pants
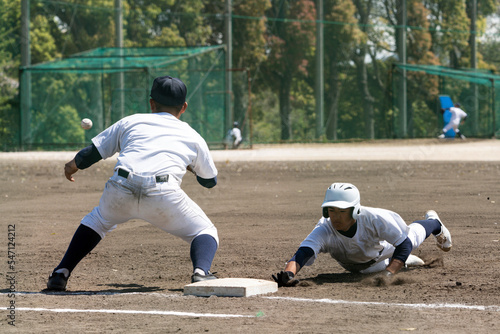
[{"x": 159, "y": 178}]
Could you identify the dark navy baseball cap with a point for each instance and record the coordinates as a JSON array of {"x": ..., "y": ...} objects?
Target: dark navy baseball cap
[{"x": 169, "y": 91}]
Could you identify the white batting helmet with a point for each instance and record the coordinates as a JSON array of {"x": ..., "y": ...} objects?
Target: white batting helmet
[{"x": 343, "y": 196}]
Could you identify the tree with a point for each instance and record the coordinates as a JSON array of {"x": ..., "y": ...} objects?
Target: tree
[
  {"x": 58, "y": 127},
  {"x": 363, "y": 13},
  {"x": 141, "y": 28},
  {"x": 42, "y": 43},
  {"x": 10, "y": 12},
  {"x": 420, "y": 87},
  {"x": 249, "y": 43},
  {"x": 171, "y": 23},
  {"x": 483, "y": 9},
  {"x": 449, "y": 27},
  {"x": 290, "y": 45},
  {"x": 490, "y": 43},
  {"x": 78, "y": 26},
  {"x": 343, "y": 35}
]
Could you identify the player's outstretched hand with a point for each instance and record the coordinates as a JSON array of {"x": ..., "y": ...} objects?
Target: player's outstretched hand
[
  {"x": 285, "y": 278},
  {"x": 383, "y": 278}
]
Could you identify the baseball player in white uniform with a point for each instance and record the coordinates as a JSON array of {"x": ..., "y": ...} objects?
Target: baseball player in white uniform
[
  {"x": 234, "y": 136},
  {"x": 155, "y": 150},
  {"x": 457, "y": 116},
  {"x": 363, "y": 239}
]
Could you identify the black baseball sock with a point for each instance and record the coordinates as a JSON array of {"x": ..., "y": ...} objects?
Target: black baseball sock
[
  {"x": 432, "y": 226},
  {"x": 203, "y": 249},
  {"x": 84, "y": 240}
]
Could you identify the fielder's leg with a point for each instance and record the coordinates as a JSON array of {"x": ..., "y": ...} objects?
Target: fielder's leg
[
  {"x": 84, "y": 240},
  {"x": 202, "y": 253}
]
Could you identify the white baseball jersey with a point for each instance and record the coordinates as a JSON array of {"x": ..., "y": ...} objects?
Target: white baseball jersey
[
  {"x": 156, "y": 144},
  {"x": 233, "y": 137},
  {"x": 152, "y": 145},
  {"x": 378, "y": 232},
  {"x": 236, "y": 133},
  {"x": 457, "y": 115}
]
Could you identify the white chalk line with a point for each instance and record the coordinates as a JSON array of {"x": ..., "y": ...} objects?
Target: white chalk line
[
  {"x": 182, "y": 314},
  {"x": 107, "y": 293},
  {"x": 489, "y": 308},
  {"x": 421, "y": 306}
]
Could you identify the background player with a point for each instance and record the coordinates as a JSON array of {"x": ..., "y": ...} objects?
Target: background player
[
  {"x": 234, "y": 136},
  {"x": 363, "y": 239},
  {"x": 155, "y": 151},
  {"x": 458, "y": 116}
]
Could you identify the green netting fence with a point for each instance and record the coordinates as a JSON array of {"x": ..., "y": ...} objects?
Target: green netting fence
[
  {"x": 477, "y": 91},
  {"x": 106, "y": 84}
]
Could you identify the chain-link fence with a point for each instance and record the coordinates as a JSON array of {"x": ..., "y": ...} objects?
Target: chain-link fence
[
  {"x": 107, "y": 84},
  {"x": 321, "y": 71},
  {"x": 476, "y": 91}
]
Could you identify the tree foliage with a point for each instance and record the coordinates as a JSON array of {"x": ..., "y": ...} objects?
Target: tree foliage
[
  {"x": 290, "y": 42},
  {"x": 275, "y": 40},
  {"x": 10, "y": 58},
  {"x": 343, "y": 36}
]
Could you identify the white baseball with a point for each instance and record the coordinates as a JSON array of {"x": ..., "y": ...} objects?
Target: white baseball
[{"x": 86, "y": 123}]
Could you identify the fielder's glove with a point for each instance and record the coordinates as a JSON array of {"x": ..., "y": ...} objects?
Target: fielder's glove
[{"x": 285, "y": 278}]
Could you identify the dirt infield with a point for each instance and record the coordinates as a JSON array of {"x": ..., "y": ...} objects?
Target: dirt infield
[{"x": 263, "y": 206}]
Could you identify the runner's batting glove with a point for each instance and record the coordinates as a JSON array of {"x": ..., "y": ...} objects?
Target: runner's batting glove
[{"x": 285, "y": 278}]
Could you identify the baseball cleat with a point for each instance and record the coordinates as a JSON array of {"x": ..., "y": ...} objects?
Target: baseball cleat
[
  {"x": 414, "y": 261},
  {"x": 443, "y": 239},
  {"x": 57, "y": 282},
  {"x": 197, "y": 277}
]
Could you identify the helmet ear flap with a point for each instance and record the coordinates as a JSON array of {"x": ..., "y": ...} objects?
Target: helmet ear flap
[
  {"x": 355, "y": 211},
  {"x": 325, "y": 212}
]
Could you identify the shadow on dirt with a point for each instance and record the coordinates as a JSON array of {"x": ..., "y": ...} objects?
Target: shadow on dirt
[
  {"x": 332, "y": 278},
  {"x": 116, "y": 289}
]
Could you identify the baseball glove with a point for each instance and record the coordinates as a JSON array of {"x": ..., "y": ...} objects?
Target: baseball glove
[{"x": 285, "y": 278}]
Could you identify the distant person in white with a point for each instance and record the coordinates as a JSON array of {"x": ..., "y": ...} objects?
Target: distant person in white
[
  {"x": 458, "y": 116},
  {"x": 234, "y": 136}
]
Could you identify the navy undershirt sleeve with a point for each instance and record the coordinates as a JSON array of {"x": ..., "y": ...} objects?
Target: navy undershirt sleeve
[
  {"x": 87, "y": 157},
  {"x": 403, "y": 250},
  {"x": 303, "y": 255},
  {"x": 207, "y": 183}
]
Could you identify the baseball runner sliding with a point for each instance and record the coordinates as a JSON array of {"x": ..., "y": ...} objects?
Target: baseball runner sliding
[{"x": 363, "y": 239}]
